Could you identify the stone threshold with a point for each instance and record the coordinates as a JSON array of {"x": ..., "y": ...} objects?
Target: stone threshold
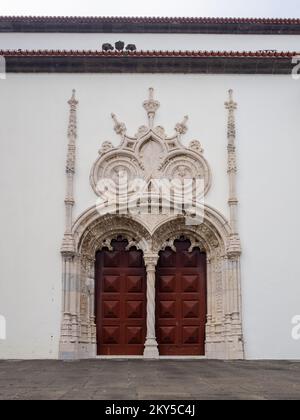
[{"x": 147, "y": 358}]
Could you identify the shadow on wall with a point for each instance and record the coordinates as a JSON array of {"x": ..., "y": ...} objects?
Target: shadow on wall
[{"x": 2, "y": 328}]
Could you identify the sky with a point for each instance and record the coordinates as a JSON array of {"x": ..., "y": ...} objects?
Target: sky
[{"x": 209, "y": 8}]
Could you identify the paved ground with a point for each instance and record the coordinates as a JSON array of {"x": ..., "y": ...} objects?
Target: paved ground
[{"x": 138, "y": 379}]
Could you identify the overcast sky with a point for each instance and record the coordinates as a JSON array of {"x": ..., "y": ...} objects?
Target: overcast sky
[{"x": 223, "y": 8}]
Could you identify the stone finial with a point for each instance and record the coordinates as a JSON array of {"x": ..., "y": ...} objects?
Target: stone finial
[
  {"x": 230, "y": 104},
  {"x": 151, "y": 106},
  {"x": 181, "y": 128},
  {"x": 120, "y": 127},
  {"x": 106, "y": 147},
  {"x": 67, "y": 248},
  {"x": 72, "y": 133},
  {"x": 196, "y": 146},
  {"x": 73, "y": 100},
  {"x": 72, "y": 127}
]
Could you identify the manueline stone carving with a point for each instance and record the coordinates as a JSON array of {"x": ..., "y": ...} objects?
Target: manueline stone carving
[{"x": 151, "y": 152}]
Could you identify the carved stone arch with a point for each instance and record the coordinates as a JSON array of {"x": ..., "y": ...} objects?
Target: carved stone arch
[
  {"x": 205, "y": 235},
  {"x": 92, "y": 231},
  {"x": 103, "y": 229},
  {"x": 157, "y": 136}
]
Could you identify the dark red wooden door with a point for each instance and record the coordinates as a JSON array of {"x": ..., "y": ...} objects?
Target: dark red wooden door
[
  {"x": 120, "y": 301},
  {"x": 181, "y": 301}
]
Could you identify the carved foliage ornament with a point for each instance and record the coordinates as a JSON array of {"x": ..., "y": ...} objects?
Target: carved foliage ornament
[{"x": 150, "y": 153}]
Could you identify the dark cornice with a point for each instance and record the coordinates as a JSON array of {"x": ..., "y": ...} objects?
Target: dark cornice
[
  {"x": 209, "y": 62},
  {"x": 149, "y": 25}
]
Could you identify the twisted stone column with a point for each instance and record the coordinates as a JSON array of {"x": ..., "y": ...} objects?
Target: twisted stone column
[{"x": 151, "y": 347}]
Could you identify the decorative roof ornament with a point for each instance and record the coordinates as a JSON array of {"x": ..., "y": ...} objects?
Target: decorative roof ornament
[
  {"x": 119, "y": 45},
  {"x": 151, "y": 106}
]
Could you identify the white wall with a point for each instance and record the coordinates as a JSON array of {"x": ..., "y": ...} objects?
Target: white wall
[
  {"x": 151, "y": 41},
  {"x": 33, "y": 123}
]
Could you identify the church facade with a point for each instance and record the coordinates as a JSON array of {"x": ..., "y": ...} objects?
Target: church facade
[{"x": 150, "y": 195}]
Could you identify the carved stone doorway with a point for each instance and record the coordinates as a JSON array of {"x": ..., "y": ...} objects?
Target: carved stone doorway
[{"x": 152, "y": 232}]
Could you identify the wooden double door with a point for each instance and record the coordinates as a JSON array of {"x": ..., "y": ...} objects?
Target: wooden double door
[{"x": 121, "y": 301}]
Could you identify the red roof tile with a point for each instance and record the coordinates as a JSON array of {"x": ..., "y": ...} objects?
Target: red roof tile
[
  {"x": 211, "y": 20},
  {"x": 90, "y": 53},
  {"x": 204, "y": 25}
]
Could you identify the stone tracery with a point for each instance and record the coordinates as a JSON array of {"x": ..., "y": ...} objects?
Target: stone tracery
[{"x": 168, "y": 155}]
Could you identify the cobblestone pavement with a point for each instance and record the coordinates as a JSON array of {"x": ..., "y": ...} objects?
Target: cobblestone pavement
[{"x": 138, "y": 380}]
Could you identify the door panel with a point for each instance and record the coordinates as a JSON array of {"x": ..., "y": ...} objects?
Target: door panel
[
  {"x": 181, "y": 301},
  {"x": 120, "y": 301}
]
